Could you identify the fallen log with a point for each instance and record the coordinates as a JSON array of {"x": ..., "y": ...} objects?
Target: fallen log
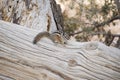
[{"x": 20, "y": 59}]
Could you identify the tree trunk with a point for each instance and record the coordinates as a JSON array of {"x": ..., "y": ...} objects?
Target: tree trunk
[
  {"x": 21, "y": 60},
  {"x": 35, "y": 14}
]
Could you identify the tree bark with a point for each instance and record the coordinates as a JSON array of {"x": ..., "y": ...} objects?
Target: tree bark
[
  {"x": 35, "y": 14},
  {"x": 21, "y": 60}
]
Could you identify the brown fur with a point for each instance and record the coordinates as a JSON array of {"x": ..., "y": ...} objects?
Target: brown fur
[
  {"x": 54, "y": 37},
  {"x": 39, "y": 36}
]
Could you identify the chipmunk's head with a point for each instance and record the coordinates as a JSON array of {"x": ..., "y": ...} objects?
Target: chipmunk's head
[{"x": 58, "y": 38}]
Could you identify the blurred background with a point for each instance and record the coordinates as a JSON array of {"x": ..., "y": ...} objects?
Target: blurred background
[{"x": 92, "y": 20}]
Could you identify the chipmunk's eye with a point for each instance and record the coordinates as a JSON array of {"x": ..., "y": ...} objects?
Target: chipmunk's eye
[{"x": 65, "y": 42}]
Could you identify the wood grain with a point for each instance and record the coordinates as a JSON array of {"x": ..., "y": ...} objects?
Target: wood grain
[{"x": 21, "y": 60}]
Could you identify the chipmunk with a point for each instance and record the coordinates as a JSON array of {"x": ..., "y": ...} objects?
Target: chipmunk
[{"x": 55, "y": 37}]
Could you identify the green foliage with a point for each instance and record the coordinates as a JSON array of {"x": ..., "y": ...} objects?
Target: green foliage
[
  {"x": 109, "y": 8},
  {"x": 105, "y": 9},
  {"x": 71, "y": 25},
  {"x": 87, "y": 29},
  {"x": 88, "y": 16}
]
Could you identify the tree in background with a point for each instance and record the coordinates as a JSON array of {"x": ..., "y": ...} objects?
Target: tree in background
[{"x": 89, "y": 19}]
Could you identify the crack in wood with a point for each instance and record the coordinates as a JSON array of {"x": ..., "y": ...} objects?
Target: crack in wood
[
  {"x": 93, "y": 72},
  {"x": 35, "y": 66},
  {"x": 98, "y": 72},
  {"x": 82, "y": 55},
  {"x": 4, "y": 77},
  {"x": 115, "y": 68},
  {"x": 65, "y": 77}
]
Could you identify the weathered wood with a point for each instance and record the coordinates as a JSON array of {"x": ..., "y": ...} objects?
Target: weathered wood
[
  {"x": 30, "y": 13},
  {"x": 58, "y": 18},
  {"x": 21, "y": 60}
]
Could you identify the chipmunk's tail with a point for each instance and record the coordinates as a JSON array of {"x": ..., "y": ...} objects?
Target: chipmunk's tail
[{"x": 39, "y": 36}]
